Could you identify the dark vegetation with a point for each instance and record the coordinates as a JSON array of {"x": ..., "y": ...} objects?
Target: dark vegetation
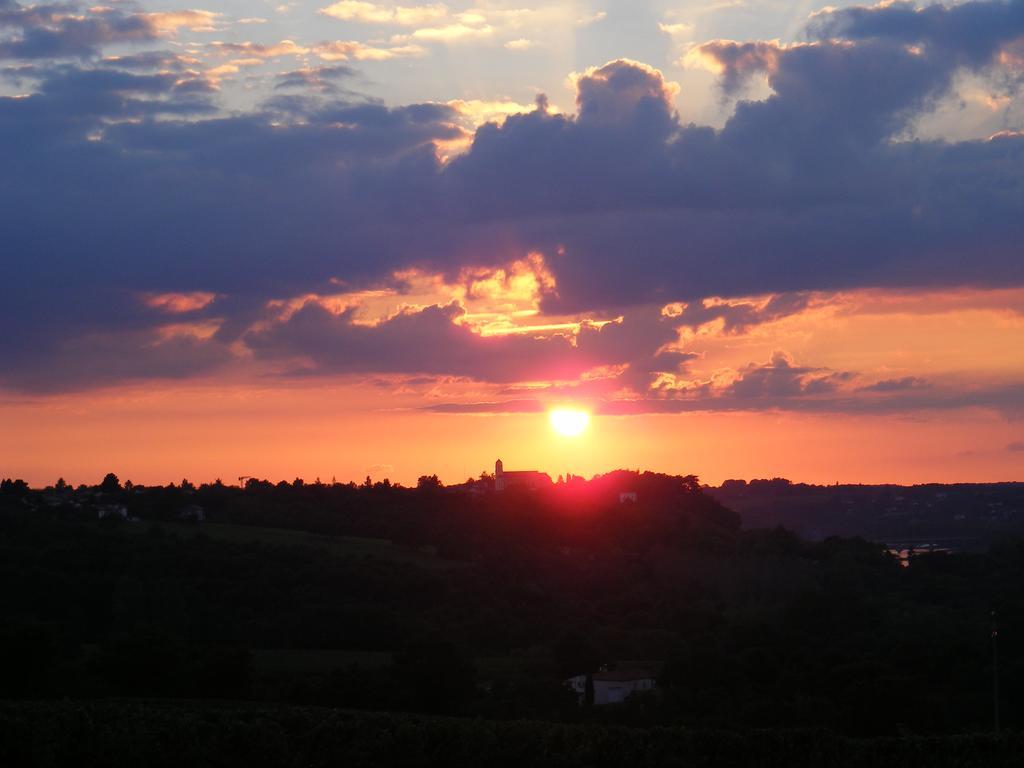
[
  {"x": 127, "y": 734},
  {"x": 961, "y": 515},
  {"x": 476, "y": 604}
]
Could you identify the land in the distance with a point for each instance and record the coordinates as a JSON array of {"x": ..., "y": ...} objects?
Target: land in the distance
[{"x": 473, "y": 603}]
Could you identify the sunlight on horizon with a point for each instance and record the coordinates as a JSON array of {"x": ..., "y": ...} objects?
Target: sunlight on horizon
[{"x": 569, "y": 422}]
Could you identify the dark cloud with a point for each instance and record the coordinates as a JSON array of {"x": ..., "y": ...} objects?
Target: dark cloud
[
  {"x": 801, "y": 191},
  {"x": 1006, "y": 400},
  {"x": 97, "y": 212},
  {"x": 625, "y": 94},
  {"x": 101, "y": 359},
  {"x": 427, "y": 341},
  {"x": 1016, "y": 447},
  {"x": 67, "y": 30},
  {"x": 896, "y": 385},
  {"x": 821, "y": 96},
  {"x": 740, "y": 316},
  {"x": 319, "y": 79},
  {"x": 113, "y": 187},
  {"x": 102, "y": 94},
  {"x": 165, "y": 60},
  {"x": 434, "y": 341},
  {"x": 965, "y": 34},
  {"x": 780, "y": 378}
]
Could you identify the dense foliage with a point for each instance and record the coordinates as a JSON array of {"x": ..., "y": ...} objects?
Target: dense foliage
[{"x": 483, "y": 603}]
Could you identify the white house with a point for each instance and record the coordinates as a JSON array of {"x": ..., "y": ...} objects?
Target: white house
[
  {"x": 613, "y": 687},
  {"x": 629, "y": 497},
  {"x": 112, "y": 510},
  {"x": 192, "y": 513}
]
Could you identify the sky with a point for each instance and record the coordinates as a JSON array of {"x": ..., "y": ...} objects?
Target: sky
[{"x": 315, "y": 239}]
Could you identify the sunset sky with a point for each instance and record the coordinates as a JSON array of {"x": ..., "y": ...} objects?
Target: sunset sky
[{"x": 281, "y": 239}]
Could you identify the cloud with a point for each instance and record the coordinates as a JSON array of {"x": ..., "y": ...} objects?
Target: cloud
[
  {"x": 122, "y": 179},
  {"x": 131, "y": 162},
  {"x": 769, "y": 184},
  {"x": 970, "y": 34},
  {"x": 374, "y": 13},
  {"x": 246, "y": 54},
  {"x": 789, "y": 397},
  {"x": 56, "y": 31},
  {"x": 320, "y": 79},
  {"x": 781, "y": 378},
  {"x": 436, "y": 23},
  {"x": 623, "y": 91},
  {"x": 169, "y": 22},
  {"x": 896, "y": 385},
  {"x": 739, "y": 316},
  {"x": 71, "y": 31},
  {"x": 1016, "y": 447},
  {"x": 477, "y": 111},
  {"x": 344, "y": 50},
  {"x": 164, "y": 60},
  {"x": 593, "y": 18},
  {"x": 433, "y": 23},
  {"x": 427, "y": 341},
  {"x": 98, "y": 359},
  {"x": 503, "y": 406},
  {"x": 471, "y": 29},
  {"x": 1007, "y": 400},
  {"x": 92, "y": 96},
  {"x": 179, "y": 303},
  {"x": 250, "y": 50},
  {"x": 436, "y": 340}
]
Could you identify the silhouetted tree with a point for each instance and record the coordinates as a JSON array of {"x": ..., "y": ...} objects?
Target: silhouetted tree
[
  {"x": 428, "y": 483},
  {"x": 14, "y": 487}
]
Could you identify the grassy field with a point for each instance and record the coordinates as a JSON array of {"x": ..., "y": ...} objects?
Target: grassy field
[
  {"x": 164, "y": 734},
  {"x": 343, "y": 546},
  {"x": 300, "y": 662}
]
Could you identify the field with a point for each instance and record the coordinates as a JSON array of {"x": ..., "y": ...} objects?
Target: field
[
  {"x": 156, "y": 734},
  {"x": 276, "y": 668}
]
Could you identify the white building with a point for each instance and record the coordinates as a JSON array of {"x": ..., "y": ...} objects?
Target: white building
[
  {"x": 112, "y": 510},
  {"x": 192, "y": 513},
  {"x": 613, "y": 687}
]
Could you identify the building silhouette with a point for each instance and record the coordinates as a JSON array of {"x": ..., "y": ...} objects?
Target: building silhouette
[{"x": 530, "y": 479}]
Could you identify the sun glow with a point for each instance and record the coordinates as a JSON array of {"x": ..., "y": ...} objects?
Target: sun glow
[{"x": 569, "y": 422}]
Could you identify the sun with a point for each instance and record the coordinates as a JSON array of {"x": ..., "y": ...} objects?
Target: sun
[{"x": 569, "y": 422}]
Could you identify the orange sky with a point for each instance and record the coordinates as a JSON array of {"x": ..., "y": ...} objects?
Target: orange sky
[
  {"x": 204, "y": 432},
  {"x": 387, "y": 244},
  {"x": 256, "y": 421}
]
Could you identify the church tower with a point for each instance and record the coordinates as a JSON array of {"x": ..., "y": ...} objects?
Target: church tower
[{"x": 499, "y": 479}]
